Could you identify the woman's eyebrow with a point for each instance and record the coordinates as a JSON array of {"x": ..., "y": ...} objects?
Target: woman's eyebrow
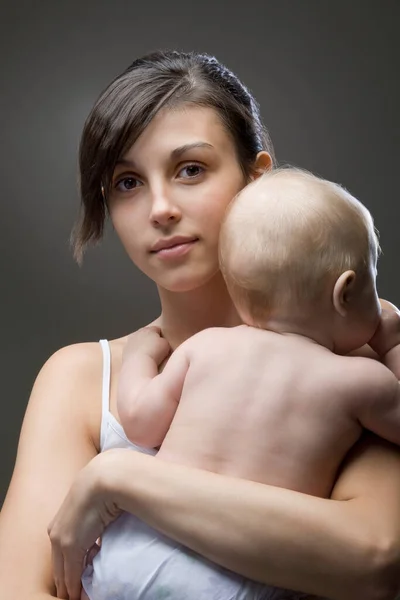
[
  {"x": 179, "y": 151},
  {"x": 174, "y": 154},
  {"x": 125, "y": 163}
]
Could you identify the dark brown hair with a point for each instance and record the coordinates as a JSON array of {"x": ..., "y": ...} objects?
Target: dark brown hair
[{"x": 122, "y": 112}]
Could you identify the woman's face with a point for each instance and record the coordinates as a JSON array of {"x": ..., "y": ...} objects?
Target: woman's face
[{"x": 169, "y": 194}]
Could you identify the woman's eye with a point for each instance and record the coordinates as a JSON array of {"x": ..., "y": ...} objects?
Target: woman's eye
[
  {"x": 127, "y": 184},
  {"x": 191, "y": 171}
]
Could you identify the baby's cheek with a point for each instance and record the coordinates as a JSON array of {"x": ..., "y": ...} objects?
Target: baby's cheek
[{"x": 84, "y": 596}]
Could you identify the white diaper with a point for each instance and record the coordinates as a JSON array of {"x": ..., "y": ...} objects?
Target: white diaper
[{"x": 138, "y": 563}]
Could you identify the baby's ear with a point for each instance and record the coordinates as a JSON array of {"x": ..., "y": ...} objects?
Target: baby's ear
[{"x": 343, "y": 292}]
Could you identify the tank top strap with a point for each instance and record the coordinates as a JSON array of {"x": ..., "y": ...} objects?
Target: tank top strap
[{"x": 105, "y": 390}]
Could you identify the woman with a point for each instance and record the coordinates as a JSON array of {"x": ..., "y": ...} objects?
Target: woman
[{"x": 164, "y": 150}]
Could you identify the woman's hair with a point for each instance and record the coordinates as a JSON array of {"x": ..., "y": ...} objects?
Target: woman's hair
[
  {"x": 287, "y": 237},
  {"x": 123, "y": 111}
]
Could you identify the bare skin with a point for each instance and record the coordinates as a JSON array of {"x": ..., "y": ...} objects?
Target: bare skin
[
  {"x": 274, "y": 405},
  {"x": 343, "y": 548},
  {"x": 360, "y": 559},
  {"x": 243, "y": 402}
]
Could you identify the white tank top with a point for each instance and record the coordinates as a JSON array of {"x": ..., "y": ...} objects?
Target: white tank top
[{"x": 112, "y": 434}]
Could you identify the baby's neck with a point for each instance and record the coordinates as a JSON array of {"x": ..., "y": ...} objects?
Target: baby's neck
[{"x": 312, "y": 329}]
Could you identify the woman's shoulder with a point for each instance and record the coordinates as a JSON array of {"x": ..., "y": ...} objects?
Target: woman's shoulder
[
  {"x": 70, "y": 381},
  {"x": 82, "y": 359},
  {"x": 69, "y": 387}
]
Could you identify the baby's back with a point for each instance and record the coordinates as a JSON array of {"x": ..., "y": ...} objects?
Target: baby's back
[{"x": 263, "y": 406}]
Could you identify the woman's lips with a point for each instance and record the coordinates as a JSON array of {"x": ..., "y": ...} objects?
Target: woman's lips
[{"x": 176, "y": 250}]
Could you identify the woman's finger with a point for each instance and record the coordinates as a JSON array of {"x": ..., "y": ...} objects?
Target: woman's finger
[
  {"x": 73, "y": 568},
  {"x": 58, "y": 572}
]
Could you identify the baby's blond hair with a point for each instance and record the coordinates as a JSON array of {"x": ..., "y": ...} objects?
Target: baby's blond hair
[{"x": 289, "y": 235}]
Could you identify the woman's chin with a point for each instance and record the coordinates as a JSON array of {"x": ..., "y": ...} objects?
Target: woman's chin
[{"x": 188, "y": 283}]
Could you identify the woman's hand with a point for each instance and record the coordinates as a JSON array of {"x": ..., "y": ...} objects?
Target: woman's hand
[{"x": 80, "y": 521}]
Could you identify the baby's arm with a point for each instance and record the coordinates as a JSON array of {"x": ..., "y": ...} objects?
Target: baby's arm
[
  {"x": 378, "y": 404},
  {"x": 147, "y": 400},
  {"x": 386, "y": 340}
]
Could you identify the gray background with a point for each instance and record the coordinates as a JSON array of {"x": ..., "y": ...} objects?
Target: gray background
[{"x": 325, "y": 72}]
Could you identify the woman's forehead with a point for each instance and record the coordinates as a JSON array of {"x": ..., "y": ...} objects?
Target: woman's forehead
[{"x": 177, "y": 130}]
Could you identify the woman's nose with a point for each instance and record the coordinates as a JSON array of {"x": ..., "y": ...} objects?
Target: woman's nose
[{"x": 164, "y": 210}]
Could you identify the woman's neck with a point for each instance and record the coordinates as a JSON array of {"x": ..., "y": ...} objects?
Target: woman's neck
[{"x": 185, "y": 313}]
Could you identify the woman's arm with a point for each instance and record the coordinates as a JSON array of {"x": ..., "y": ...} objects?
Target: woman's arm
[
  {"x": 344, "y": 548},
  {"x": 58, "y": 438}
]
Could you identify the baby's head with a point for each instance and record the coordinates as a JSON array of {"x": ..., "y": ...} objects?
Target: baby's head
[{"x": 295, "y": 246}]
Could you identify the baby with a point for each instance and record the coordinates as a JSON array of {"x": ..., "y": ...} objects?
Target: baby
[{"x": 275, "y": 400}]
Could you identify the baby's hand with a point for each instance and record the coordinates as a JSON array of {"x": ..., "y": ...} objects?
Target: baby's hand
[
  {"x": 387, "y": 334},
  {"x": 147, "y": 341}
]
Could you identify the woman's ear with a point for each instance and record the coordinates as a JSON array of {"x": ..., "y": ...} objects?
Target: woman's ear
[
  {"x": 343, "y": 291},
  {"x": 262, "y": 163}
]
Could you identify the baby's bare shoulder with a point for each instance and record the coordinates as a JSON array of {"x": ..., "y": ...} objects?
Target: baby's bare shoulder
[
  {"x": 357, "y": 366},
  {"x": 212, "y": 343},
  {"x": 213, "y": 335},
  {"x": 365, "y": 377}
]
